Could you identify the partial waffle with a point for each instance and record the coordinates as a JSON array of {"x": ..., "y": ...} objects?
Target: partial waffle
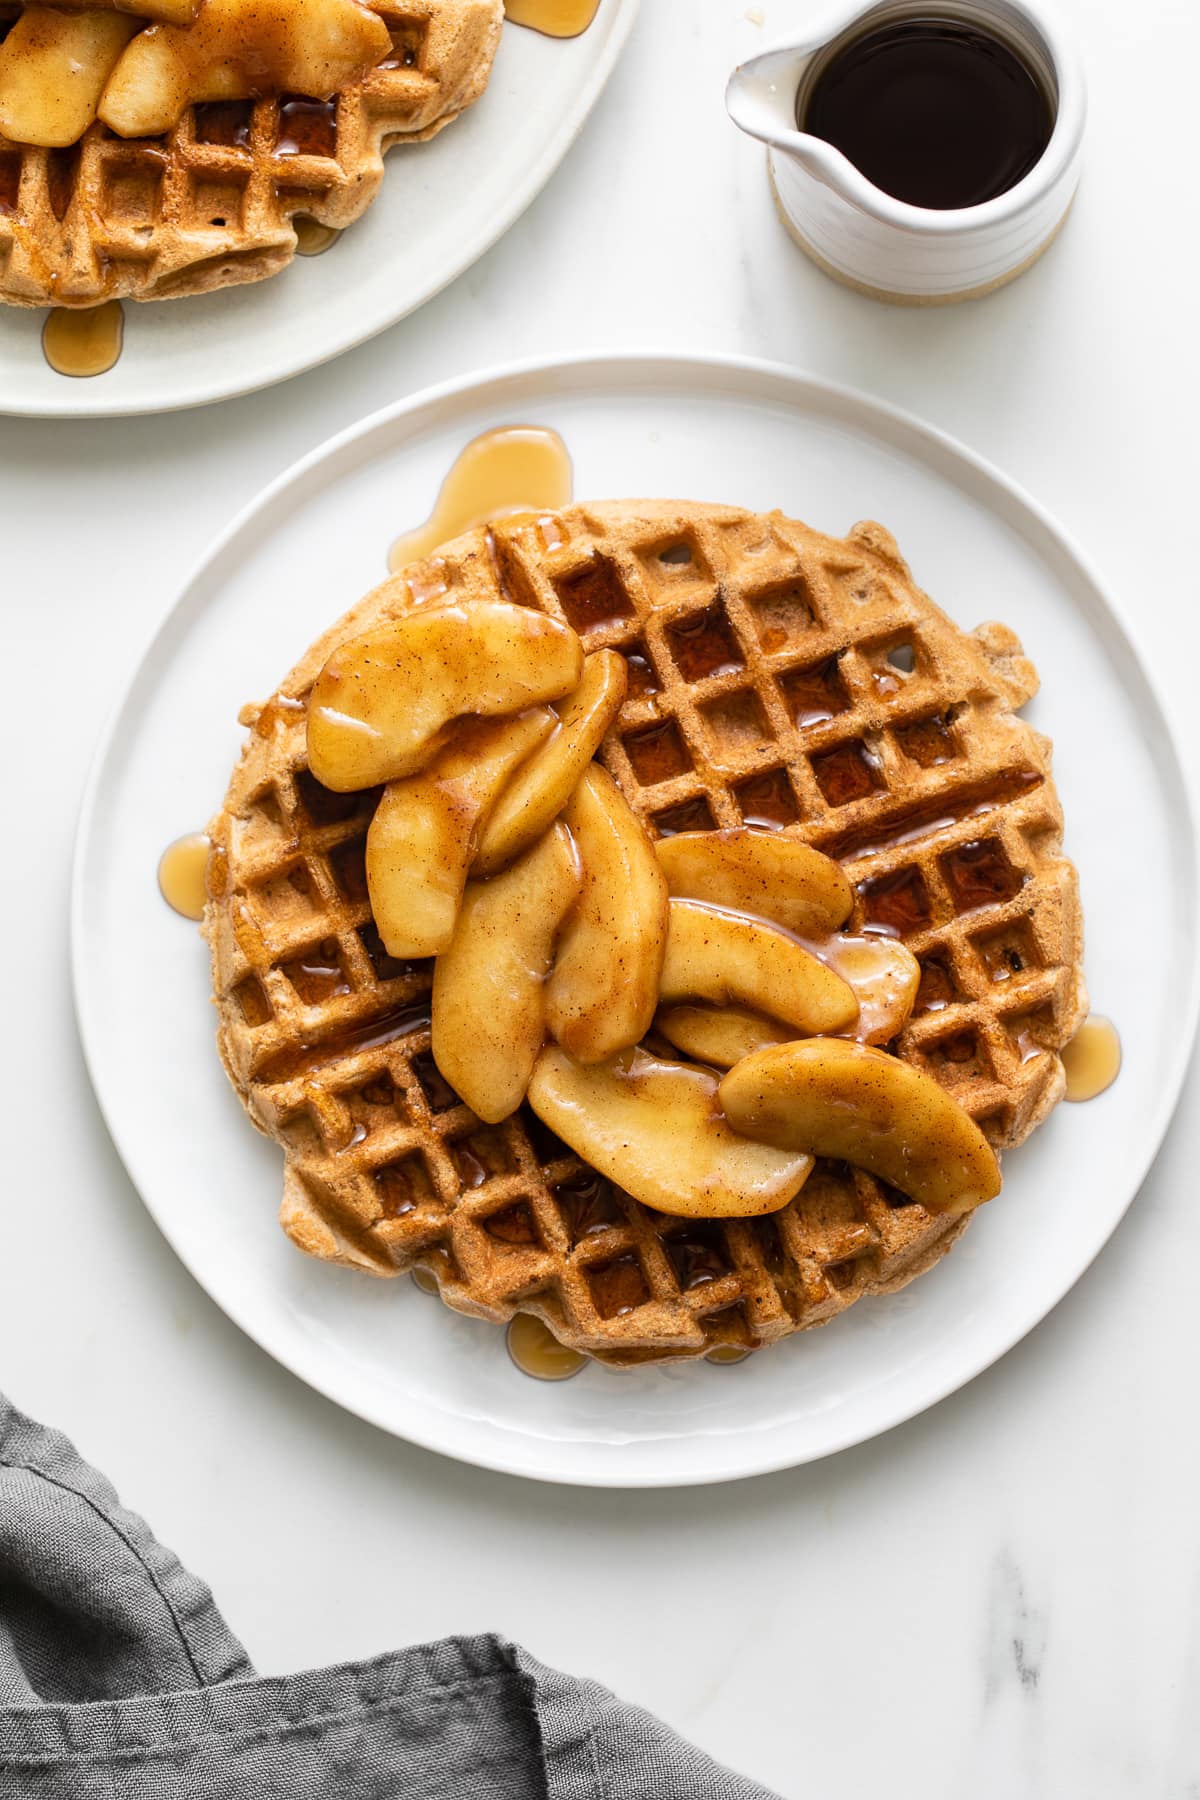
[
  {"x": 214, "y": 202},
  {"x": 777, "y": 678}
]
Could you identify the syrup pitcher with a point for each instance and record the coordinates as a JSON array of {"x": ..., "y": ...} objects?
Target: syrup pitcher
[{"x": 920, "y": 152}]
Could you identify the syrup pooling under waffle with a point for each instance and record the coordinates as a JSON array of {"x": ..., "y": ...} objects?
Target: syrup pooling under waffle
[
  {"x": 779, "y": 678},
  {"x": 212, "y": 202}
]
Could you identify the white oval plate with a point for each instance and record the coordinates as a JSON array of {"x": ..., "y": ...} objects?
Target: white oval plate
[
  {"x": 442, "y": 204},
  {"x": 313, "y": 543}
]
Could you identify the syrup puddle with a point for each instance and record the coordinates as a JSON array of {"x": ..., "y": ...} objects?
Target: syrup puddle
[
  {"x": 83, "y": 343},
  {"x": 1092, "y": 1059},
  {"x": 181, "y": 875},
  {"x": 290, "y": 1063},
  {"x": 727, "y": 1353},
  {"x": 514, "y": 469},
  {"x": 424, "y": 1279},
  {"x": 537, "y": 1352},
  {"x": 553, "y": 18},
  {"x": 313, "y": 238}
]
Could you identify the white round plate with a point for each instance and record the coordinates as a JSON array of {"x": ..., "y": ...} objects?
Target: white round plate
[
  {"x": 442, "y": 204},
  {"x": 311, "y": 545}
]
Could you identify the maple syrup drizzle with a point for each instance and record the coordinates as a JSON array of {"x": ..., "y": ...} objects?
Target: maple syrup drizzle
[
  {"x": 291, "y": 1063},
  {"x": 182, "y": 869},
  {"x": 277, "y": 711},
  {"x": 537, "y": 1352},
  {"x": 425, "y": 1279},
  {"x": 588, "y": 1203},
  {"x": 727, "y": 1353},
  {"x": 86, "y": 342},
  {"x": 553, "y": 18},
  {"x": 1092, "y": 1059},
  {"x": 307, "y": 127},
  {"x": 513, "y": 469},
  {"x": 313, "y": 238}
]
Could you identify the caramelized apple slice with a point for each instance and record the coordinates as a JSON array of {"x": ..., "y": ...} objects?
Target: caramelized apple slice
[
  {"x": 604, "y": 987},
  {"x": 53, "y": 67},
  {"x": 655, "y": 1128},
  {"x": 720, "y": 1035},
  {"x": 762, "y": 872},
  {"x": 236, "y": 49},
  {"x": 170, "y": 12},
  {"x": 383, "y": 702},
  {"x": 885, "y": 976},
  {"x": 735, "y": 960},
  {"x": 855, "y": 1103},
  {"x": 489, "y": 1008},
  {"x": 537, "y": 795},
  {"x": 420, "y": 840}
]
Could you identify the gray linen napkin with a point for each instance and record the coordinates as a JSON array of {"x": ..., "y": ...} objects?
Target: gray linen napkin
[{"x": 120, "y": 1680}]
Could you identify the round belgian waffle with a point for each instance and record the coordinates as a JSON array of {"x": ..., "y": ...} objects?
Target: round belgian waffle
[
  {"x": 778, "y": 678},
  {"x": 213, "y": 203}
]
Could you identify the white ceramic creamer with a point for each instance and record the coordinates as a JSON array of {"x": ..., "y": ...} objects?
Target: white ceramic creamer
[{"x": 886, "y": 247}]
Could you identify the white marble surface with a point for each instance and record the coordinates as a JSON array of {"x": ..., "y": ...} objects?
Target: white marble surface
[{"x": 999, "y": 1599}]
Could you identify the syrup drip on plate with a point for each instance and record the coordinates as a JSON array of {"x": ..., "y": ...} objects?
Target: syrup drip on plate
[
  {"x": 553, "y": 18},
  {"x": 727, "y": 1353},
  {"x": 426, "y": 1280},
  {"x": 313, "y": 238},
  {"x": 1092, "y": 1059},
  {"x": 537, "y": 1352},
  {"x": 514, "y": 469},
  {"x": 86, "y": 342},
  {"x": 181, "y": 874}
]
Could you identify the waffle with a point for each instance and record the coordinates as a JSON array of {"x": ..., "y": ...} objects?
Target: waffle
[
  {"x": 213, "y": 202},
  {"x": 777, "y": 678}
]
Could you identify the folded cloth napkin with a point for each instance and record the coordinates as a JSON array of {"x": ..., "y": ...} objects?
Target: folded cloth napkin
[{"x": 119, "y": 1678}]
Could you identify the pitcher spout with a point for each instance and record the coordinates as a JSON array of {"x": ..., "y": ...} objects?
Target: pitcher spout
[{"x": 761, "y": 94}]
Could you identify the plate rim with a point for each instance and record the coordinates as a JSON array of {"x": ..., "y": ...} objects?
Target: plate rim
[
  {"x": 771, "y": 1453},
  {"x": 524, "y": 192}
]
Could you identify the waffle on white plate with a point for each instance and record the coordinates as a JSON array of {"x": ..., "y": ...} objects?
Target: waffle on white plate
[
  {"x": 139, "y": 191},
  {"x": 777, "y": 679}
]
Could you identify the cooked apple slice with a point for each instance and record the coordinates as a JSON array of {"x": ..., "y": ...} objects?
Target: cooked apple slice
[
  {"x": 160, "y": 75},
  {"x": 761, "y": 872},
  {"x": 236, "y": 49},
  {"x": 885, "y": 976},
  {"x": 604, "y": 987},
  {"x": 170, "y": 12},
  {"x": 655, "y": 1128},
  {"x": 163, "y": 72},
  {"x": 53, "y": 67},
  {"x": 720, "y": 1035},
  {"x": 383, "y": 702},
  {"x": 734, "y": 960},
  {"x": 882, "y": 972},
  {"x": 855, "y": 1103},
  {"x": 420, "y": 840},
  {"x": 489, "y": 985},
  {"x": 537, "y": 795},
  {"x": 319, "y": 45}
]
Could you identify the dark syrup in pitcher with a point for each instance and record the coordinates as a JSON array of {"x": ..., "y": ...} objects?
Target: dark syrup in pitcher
[{"x": 932, "y": 110}]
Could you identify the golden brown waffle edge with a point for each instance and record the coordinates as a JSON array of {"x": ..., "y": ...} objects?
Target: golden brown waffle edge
[{"x": 778, "y": 677}]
